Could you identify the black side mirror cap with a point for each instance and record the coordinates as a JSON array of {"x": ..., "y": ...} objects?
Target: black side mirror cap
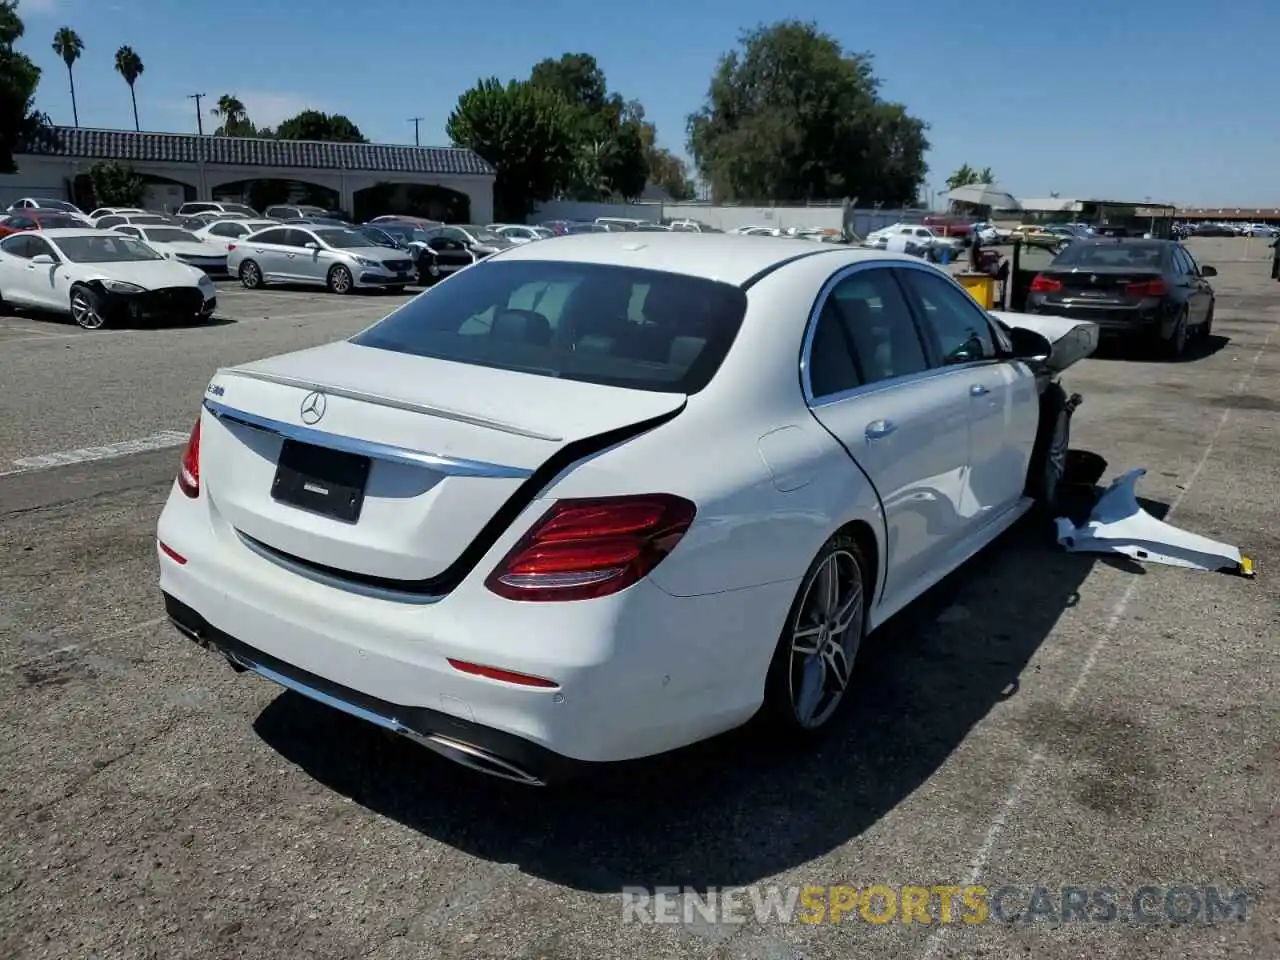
[
  {"x": 1029, "y": 345},
  {"x": 1207, "y": 271}
]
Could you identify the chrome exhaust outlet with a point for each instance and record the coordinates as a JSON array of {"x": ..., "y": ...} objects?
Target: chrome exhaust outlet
[{"x": 473, "y": 757}]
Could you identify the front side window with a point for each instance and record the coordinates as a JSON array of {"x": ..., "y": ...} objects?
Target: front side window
[
  {"x": 611, "y": 325},
  {"x": 960, "y": 325}
]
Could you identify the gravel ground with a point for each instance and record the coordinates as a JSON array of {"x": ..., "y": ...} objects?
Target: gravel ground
[{"x": 1038, "y": 719}]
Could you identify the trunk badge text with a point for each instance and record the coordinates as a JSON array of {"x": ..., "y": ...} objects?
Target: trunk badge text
[{"x": 313, "y": 405}]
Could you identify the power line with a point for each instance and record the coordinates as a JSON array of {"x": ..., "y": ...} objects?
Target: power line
[
  {"x": 197, "y": 97},
  {"x": 417, "y": 141}
]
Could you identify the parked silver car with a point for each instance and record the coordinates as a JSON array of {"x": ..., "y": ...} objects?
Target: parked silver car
[{"x": 332, "y": 257}]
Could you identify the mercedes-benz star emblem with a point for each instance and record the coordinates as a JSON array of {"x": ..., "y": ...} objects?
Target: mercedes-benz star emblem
[{"x": 313, "y": 405}]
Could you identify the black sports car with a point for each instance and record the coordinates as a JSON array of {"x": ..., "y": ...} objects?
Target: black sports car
[{"x": 1148, "y": 289}]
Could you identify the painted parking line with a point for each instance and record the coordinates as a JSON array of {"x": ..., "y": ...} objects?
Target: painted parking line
[{"x": 110, "y": 451}]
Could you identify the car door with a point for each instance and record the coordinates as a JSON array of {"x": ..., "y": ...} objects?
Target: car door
[
  {"x": 999, "y": 393},
  {"x": 17, "y": 276},
  {"x": 868, "y": 378},
  {"x": 1193, "y": 285},
  {"x": 268, "y": 249},
  {"x": 42, "y": 278},
  {"x": 307, "y": 264}
]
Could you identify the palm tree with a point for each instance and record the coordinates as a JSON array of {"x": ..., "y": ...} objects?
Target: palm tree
[
  {"x": 963, "y": 177},
  {"x": 230, "y": 110},
  {"x": 129, "y": 66},
  {"x": 68, "y": 45},
  {"x": 986, "y": 176}
]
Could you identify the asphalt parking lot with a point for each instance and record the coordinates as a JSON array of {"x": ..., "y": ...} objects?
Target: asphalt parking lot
[{"x": 1038, "y": 719}]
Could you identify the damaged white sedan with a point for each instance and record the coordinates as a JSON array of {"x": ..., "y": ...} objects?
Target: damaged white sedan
[{"x": 596, "y": 499}]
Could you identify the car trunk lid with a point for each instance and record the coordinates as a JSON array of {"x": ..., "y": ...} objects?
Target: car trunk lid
[
  {"x": 402, "y": 461},
  {"x": 1105, "y": 284}
]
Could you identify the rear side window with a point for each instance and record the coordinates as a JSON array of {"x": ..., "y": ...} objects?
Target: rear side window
[{"x": 617, "y": 326}]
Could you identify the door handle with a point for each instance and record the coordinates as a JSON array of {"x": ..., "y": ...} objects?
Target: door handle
[
  {"x": 978, "y": 390},
  {"x": 878, "y": 429}
]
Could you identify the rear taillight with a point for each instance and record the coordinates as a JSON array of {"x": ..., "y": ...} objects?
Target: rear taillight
[
  {"x": 582, "y": 549},
  {"x": 1043, "y": 284},
  {"x": 230, "y": 247},
  {"x": 189, "y": 470},
  {"x": 1146, "y": 288}
]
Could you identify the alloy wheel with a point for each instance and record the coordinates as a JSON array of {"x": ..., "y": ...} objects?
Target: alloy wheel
[
  {"x": 825, "y": 637},
  {"x": 340, "y": 280},
  {"x": 250, "y": 276},
  {"x": 84, "y": 310}
]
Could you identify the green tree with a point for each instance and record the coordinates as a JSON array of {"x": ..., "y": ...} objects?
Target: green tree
[
  {"x": 791, "y": 116},
  {"x": 68, "y": 45},
  {"x": 963, "y": 176},
  {"x": 610, "y": 144},
  {"x": 235, "y": 119},
  {"x": 19, "y": 121},
  {"x": 664, "y": 168},
  {"x": 525, "y": 132},
  {"x": 116, "y": 184},
  {"x": 315, "y": 125},
  {"x": 986, "y": 176},
  {"x": 129, "y": 65}
]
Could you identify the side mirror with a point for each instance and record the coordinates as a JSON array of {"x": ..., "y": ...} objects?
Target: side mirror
[
  {"x": 1207, "y": 271},
  {"x": 43, "y": 260},
  {"x": 1029, "y": 345},
  {"x": 312, "y": 245}
]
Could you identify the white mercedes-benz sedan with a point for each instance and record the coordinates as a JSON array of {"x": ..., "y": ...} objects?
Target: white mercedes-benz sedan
[{"x": 605, "y": 495}]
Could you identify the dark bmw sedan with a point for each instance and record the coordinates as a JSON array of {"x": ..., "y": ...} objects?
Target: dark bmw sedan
[{"x": 1151, "y": 290}]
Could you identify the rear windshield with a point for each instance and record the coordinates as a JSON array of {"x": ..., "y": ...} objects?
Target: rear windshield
[
  {"x": 617, "y": 326},
  {"x": 1129, "y": 255}
]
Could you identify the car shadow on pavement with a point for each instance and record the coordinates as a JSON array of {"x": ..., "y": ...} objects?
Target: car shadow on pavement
[
  {"x": 735, "y": 809},
  {"x": 1117, "y": 348}
]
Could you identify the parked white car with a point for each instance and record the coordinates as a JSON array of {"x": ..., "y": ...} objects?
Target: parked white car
[
  {"x": 756, "y": 231},
  {"x": 223, "y": 233},
  {"x": 520, "y": 233},
  {"x": 134, "y": 219},
  {"x": 913, "y": 238},
  {"x": 339, "y": 259},
  {"x": 101, "y": 212},
  {"x": 100, "y": 277},
  {"x": 1260, "y": 230},
  {"x": 178, "y": 244},
  {"x": 216, "y": 206},
  {"x": 543, "y": 515},
  {"x": 46, "y": 204}
]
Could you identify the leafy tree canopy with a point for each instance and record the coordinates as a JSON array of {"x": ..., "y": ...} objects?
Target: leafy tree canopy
[
  {"x": 608, "y": 143},
  {"x": 792, "y": 116},
  {"x": 315, "y": 125},
  {"x": 965, "y": 176},
  {"x": 116, "y": 184},
  {"x": 19, "y": 121},
  {"x": 525, "y": 131}
]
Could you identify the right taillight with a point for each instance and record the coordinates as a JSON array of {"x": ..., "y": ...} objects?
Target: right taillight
[
  {"x": 189, "y": 469},
  {"x": 582, "y": 549},
  {"x": 230, "y": 247},
  {"x": 1146, "y": 288},
  {"x": 1043, "y": 284}
]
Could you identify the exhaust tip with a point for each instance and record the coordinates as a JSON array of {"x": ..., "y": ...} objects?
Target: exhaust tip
[{"x": 473, "y": 758}]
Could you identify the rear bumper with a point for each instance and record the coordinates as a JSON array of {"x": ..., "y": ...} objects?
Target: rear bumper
[
  {"x": 1151, "y": 318},
  {"x": 638, "y": 673}
]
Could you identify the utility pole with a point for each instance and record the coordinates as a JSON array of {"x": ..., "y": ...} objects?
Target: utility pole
[
  {"x": 417, "y": 142},
  {"x": 197, "y": 97}
]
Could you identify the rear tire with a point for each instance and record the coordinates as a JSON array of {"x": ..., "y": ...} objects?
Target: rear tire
[
  {"x": 1175, "y": 347},
  {"x": 1206, "y": 328},
  {"x": 807, "y": 683},
  {"x": 250, "y": 275}
]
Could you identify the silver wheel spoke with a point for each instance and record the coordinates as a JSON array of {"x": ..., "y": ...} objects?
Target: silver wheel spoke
[
  {"x": 844, "y": 616},
  {"x": 837, "y": 665},
  {"x": 805, "y": 641},
  {"x": 830, "y": 587},
  {"x": 812, "y": 685}
]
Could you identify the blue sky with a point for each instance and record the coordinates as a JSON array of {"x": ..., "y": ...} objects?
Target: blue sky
[{"x": 1125, "y": 99}]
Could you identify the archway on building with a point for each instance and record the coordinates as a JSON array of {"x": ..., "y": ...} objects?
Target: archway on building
[
  {"x": 268, "y": 191},
  {"x": 427, "y": 200}
]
